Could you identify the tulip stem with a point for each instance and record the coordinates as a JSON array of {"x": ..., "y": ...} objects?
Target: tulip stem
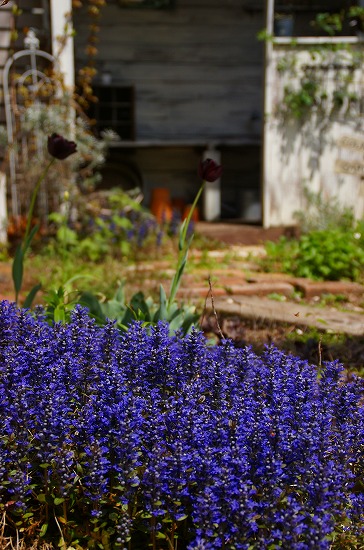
[
  {"x": 18, "y": 262},
  {"x": 32, "y": 204},
  {"x": 183, "y": 247}
]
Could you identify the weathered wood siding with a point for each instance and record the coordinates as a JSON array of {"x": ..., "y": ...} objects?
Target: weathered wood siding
[{"x": 197, "y": 68}]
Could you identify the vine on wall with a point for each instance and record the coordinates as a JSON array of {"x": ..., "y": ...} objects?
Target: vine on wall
[{"x": 325, "y": 83}]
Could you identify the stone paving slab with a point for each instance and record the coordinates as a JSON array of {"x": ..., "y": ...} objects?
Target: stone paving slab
[{"x": 254, "y": 307}]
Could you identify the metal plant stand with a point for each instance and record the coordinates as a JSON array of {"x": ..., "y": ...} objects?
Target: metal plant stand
[{"x": 24, "y": 146}]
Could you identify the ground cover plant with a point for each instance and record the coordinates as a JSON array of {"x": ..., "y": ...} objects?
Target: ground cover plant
[
  {"x": 326, "y": 254},
  {"x": 138, "y": 439},
  {"x": 330, "y": 247},
  {"x": 150, "y": 437}
]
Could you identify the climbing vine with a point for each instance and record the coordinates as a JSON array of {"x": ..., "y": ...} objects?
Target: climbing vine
[
  {"x": 84, "y": 93},
  {"x": 324, "y": 82}
]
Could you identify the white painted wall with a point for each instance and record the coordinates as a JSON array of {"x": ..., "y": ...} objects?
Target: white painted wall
[
  {"x": 304, "y": 153},
  {"x": 5, "y": 23},
  {"x": 3, "y": 211},
  {"x": 60, "y": 10}
]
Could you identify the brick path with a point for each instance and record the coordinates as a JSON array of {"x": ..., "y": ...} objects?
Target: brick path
[
  {"x": 273, "y": 296},
  {"x": 239, "y": 288}
]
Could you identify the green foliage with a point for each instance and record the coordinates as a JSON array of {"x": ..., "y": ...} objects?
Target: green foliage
[
  {"x": 331, "y": 254},
  {"x": 299, "y": 101},
  {"x": 112, "y": 222},
  {"x": 180, "y": 317},
  {"x": 22, "y": 249},
  {"x": 61, "y": 301},
  {"x": 330, "y": 23},
  {"x": 321, "y": 213},
  {"x": 307, "y": 92},
  {"x": 264, "y": 36},
  {"x": 279, "y": 255}
]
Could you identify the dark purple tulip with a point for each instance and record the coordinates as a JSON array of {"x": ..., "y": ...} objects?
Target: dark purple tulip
[
  {"x": 60, "y": 148},
  {"x": 209, "y": 170}
]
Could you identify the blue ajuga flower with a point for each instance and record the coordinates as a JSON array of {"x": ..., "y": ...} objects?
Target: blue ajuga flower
[{"x": 151, "y": 436}]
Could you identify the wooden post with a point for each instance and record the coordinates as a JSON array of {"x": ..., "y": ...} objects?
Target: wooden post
[
  {"x": 268, "y": 77},
  {"x": 60, "y": 15},
  {"x": 3, "y": 210}
]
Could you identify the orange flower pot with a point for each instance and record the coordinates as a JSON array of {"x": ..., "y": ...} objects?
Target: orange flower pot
[
  {"x": 195, "y": 214},
  {"x": 160, "y": 204}
]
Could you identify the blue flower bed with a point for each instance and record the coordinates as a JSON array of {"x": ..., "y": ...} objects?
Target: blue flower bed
[{"x": 135, "y": 439}]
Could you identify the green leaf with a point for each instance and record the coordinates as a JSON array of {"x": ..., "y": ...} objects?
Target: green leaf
[
  {"x": 122, "y": 222},
  {"x": 176, "y": 322},
  {"x": 161, "y": 313},
  {"x": 43, "y": 530},
  {"x": 59, "y": 314},
  {"x": 17, "y": 272},
  {"x": 58, "y": 501},
  {"x": 42, "y": 497},
  {"x": 140, "y": 306},
  {"x": 28, "y": 241},
  {"x": 125, "y": 248},
  {"x": 31, "y": 295},
  {"x": 182, "y": 235},
  {"x": 89, "y": 300},
  {"x": 66, "y": 236}
]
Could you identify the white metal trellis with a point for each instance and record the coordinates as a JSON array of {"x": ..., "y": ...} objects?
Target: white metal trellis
[{"x": 12, "y": 116}]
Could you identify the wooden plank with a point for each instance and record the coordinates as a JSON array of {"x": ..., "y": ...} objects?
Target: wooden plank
[{"x": 197, "y": 69}]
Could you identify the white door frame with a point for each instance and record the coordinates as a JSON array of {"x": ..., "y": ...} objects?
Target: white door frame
[{"x": 61, "y": 11}]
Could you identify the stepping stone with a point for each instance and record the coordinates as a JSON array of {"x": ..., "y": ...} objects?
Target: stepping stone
[{"x": 327, "y": 319}]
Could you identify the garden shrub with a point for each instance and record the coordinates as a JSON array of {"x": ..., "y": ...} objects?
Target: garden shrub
[
  {"x": 134, "y": 439},
  {"x": 108, "y": 222},
  {"x": 332, "y": 254}
]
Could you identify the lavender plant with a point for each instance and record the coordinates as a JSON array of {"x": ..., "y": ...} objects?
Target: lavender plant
[{"x": 134, "y": 440}]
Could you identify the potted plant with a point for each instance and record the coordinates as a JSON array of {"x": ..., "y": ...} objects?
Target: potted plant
[
  {"x": 284, "y": 20},
  {"x": 356, "y": 19}
]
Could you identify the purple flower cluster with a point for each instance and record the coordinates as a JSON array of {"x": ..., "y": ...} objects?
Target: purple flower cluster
[
  {"x": 141, "y": 229},
  {"x": 143, "y": 438}
]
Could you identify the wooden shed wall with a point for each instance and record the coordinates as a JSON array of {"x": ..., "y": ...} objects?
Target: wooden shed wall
[{"x": 197, "y": 68}]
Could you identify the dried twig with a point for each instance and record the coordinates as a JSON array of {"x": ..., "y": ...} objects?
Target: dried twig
[
  {"x": 214, "y": 310},
  {"x": 320, "y": 352}
]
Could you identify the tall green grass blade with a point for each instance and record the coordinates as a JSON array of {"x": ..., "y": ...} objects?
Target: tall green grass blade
[
  {"x": 29, "y": 239},
  {"x": 31, "y": 295},
  {"x": 18, "y": 270}
]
